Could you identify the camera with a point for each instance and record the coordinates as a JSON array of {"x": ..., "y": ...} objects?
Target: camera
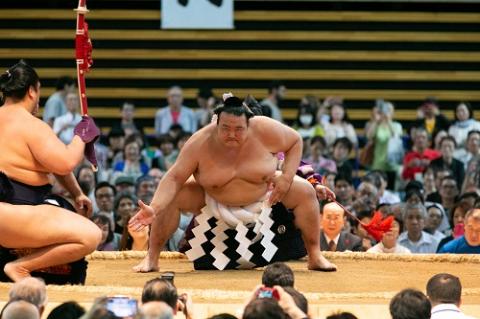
[
  {"x": 122, "y": 306},
  {"x": 168, "y": 276},
  {"x": 266, "y": 292}
]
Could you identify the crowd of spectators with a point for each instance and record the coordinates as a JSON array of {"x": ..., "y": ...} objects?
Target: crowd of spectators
[
  {"x": 275, "y": 297},
  {"x": 426, "y": 174}
]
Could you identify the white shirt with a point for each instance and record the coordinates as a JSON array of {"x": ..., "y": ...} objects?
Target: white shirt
[
  {"x": 380, "y": 248},
  {"x": 335, "y": 240},
  {"x": 69, "y": 121},
  {"x": 448, "y": 311}
]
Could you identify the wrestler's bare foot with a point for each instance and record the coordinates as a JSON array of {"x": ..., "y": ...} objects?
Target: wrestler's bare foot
[
  {"x": 15, "y": 272},
  {"x": 147, "y": 265},
  {"x": 320, "y": 263}
]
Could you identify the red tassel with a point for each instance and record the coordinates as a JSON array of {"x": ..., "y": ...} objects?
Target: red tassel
[{"x": 378, "y": 226}]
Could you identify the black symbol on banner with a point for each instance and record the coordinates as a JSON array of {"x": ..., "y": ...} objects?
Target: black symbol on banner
[{"x": 217, "y": 3}]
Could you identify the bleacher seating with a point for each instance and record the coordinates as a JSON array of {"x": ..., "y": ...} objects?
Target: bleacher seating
[{"x": 400, "y": 52}]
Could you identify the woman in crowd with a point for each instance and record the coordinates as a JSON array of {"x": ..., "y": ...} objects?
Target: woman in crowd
[
  {"x": 435, "y": 214},
  {"x": 110, "y": 241},
  {"x": 30, "y": 153},
  {"x": 339, "y": 126},
  {"x": 306, "y": 122},
  {"x": 125, "y": 205},
  {"x": 132, "y": 165},
  {"x": 389, "y": 241},
  {"x": 456, "y": 223},
  {"x": 464, "y": 123}
]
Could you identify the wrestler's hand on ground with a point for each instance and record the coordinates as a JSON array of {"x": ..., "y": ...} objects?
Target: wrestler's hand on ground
[
  {"x": 288, "y": 305},
  {"x": 281, "y": 184},
  {"x": 324, "y": 193},
  {"x": 83, "y": 205},
  {"x": 87, "y": 130},
  {"x": 142, "y": 218}
]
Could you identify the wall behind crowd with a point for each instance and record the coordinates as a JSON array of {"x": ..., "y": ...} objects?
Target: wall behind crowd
[{"x": 401, "y": 52}]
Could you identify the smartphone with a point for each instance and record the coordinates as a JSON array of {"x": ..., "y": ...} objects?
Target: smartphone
[
  {"x": 169, "y": 275},
  {"x": 122, "y": 306},
  {"x": 266, "y": 292}
]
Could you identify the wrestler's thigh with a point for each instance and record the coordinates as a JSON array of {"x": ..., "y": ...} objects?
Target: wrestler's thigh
[
  {"x": 25, "y": 226},
  {"x": 191, "y": 197},
  {"x": 301, "y": 192}
]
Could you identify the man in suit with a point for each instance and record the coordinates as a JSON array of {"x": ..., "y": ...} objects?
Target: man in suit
[{"x": 332, "y": 237}]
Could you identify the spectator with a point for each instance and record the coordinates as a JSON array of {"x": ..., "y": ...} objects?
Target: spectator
[
  {"x": 132, "y": 165},
  {"x": 414, "y": 238},
  {"x": 116, "y": 141},
  {"x": 145, "y": 188},
  {"x": 300, "y": 301},
  {"x": 127, "y": 121},
  {"x": 271, "y": 105},
  {"x": 55, "y": 105},
  {"x": 87, "y": 179},
  {"x": 389, "y": 242},
  {"x": 410, "y": 304},
  {"x": 206, "y": 102},
  {"x": 306, "y": 122},
  {"x": 445, "y": 294},
  {"x": 105, "y": 196},
  {"x": 175, "y": 113},
  {"x": 344, "y": 190},
  {"x": 278, "y": 274},
  {"x": 20, "y": 310},
  {"x": 134, "y": 239},
  {"x": 470, "y": 150},
  {"x": 448, "y": 193},
  {"x": 125, "y": 205},
  {"x": 342, "y": 147},
  {"x": 169, "y": 154},
  {"x": 380, "y": 180},
  {"x": 157, "y": 175},
  {"x": 435, "y": 215},
  {"x": 469, "y": 243},
  {"x": 456, "y": 222},
  {"x": 155, "y": 310},
  {"x": 110, "y": 240},
  {"x": 431, "y": 118},
  {"x": 67, "y": 310},
  {"x": 464, "y": 123},
  {"x": 429, "y": 182},
  {"x": 447, "y": 147},
  {"x": 332, "y": 237},
  {"x": 417, "y": 160},
  {"x": 384, "y": 132},
  {"x": 357, "y": 229},
  {"x": 439, "y": 174},
  {"x": 319, "y": 162},
  {"x": 366, "y": 197},
  {"x": 63, "y": 125},
  {"x": 323, "y": 113},
  {"x": 339, "y": 126},
  {"x": 125, "y": 184},
  {"x": 31, "y": 290},
  {"x": 414, "y": 196}
]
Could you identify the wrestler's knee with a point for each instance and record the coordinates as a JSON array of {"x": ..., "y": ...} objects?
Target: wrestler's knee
[{"x": 91, "y": 237}]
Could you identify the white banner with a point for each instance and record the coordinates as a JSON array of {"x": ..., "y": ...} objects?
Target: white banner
[{"x": 197, "y": 14}]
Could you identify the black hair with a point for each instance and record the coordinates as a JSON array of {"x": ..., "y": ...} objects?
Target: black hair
[
  {"x": 233, "y": 105},
  {"x": 67, "y": 310},
  {"x": 342, "y": 315},
  {"x": 253, "y": 104},
  {"x": 16, "y": 81},
  {"x": 309, "y": 110},
  {"x": 159, "y": 289},
  {"x": 318, "y": 139},
  {"x": 62, "y": 81},
  {"x": 205, "y": 92},
  {"x": 223, "y": 316},
  {"x": 278, "y": 274},
  {"x": 105, "y": 184},
  {"x": 415, "y": 191},
  {"x": 472, "y": 132},
  {"x": 344, "y": 141},
  {"x": 105, "y": 220},
  {"x": 469, "y": 108},
  {"x": 410, "y": 304},
  {"x": 264, "y": 308},
  {"x": 275, "y": 85},
  {"x": 448, "y": 138},
  {"x": 343, "y": 177},
  {"x": 298, "y": 297},
  {"x": 116, "y": 132}
]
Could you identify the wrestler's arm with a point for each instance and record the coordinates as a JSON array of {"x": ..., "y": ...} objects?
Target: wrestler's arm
[
  {"x": 50, "y": 152},
  {"x": 83, "y": 204},
  {"x": 282, "y": 138},
  {"x": 173, "y": 180}
]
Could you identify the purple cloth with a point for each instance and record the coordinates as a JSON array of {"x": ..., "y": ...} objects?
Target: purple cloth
[{"x": 87, "y": 130}]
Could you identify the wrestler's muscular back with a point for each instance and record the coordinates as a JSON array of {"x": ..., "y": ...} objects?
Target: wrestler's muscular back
[
  {"x": 18, "y": 128},
  {"x": 236, "y": 176}
]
